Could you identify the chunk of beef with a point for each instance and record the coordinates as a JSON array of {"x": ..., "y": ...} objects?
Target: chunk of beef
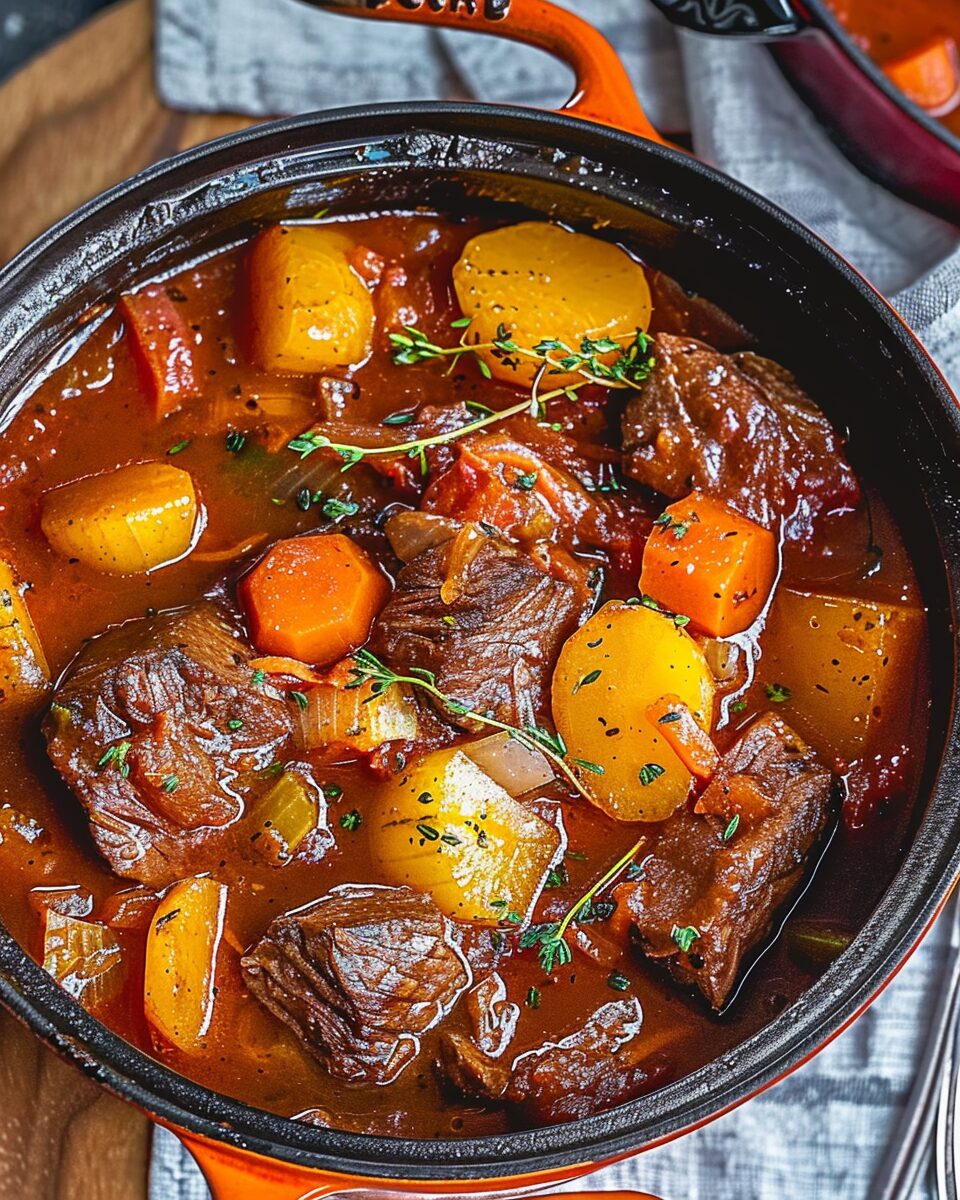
[
  {"x": 144, "y": 729},
  {"x": 601, "y": 1063},
  {"x": 360, "y": 976},
  {"x": 486, "y": 620},
  {"x": 728, "y": 890},
  {"x": 739, "y": 428}
]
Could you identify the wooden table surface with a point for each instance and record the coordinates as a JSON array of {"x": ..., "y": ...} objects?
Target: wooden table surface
[{"x": 76, "y": 120}]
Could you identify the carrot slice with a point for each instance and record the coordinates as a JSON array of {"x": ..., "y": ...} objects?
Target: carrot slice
[
  {"x": 709, "y": 563},
  {"x": 161, "y": 342},
  {"x": 929, "y": 76},
  {"x": 684, "y": 735},
  {"x": 313, "y": 598}
]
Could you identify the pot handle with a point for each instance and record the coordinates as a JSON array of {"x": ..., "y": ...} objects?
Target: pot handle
[
  {"x": 735, "y": 18},
  {"x": 603, "y": 90}
]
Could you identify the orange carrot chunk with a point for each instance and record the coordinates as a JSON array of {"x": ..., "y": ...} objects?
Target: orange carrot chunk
[
  {"x": 161, "y": 342},
  {"x": 712, "y": 565},
  {"x": 684, "y": 735},
  {"x": 929, "y": 76},
  {"x": 313, "y": 598}
]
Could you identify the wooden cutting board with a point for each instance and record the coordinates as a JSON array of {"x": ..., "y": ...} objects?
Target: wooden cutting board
[{"x": 75, "y": 121}]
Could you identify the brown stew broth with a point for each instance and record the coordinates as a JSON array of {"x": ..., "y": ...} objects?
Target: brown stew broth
[{"x": 88, "y": 416}]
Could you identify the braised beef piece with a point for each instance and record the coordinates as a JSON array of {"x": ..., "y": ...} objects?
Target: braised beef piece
[
  {"x": 601, "y": 1063},
  {"x": 141, "y": 728},
  {"x": 359, "y": 976},
  {"x": 485, "y": 619},
  {"x": 737, "y": 427},
  {"x": 724, "y": 892},
  {"x": 677, "y": 311}
]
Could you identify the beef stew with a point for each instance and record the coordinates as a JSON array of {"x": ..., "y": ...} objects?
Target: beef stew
[{"x": 407, "y": 704}]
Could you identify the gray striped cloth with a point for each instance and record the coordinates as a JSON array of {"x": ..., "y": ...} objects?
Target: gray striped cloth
[{"x": 818, "y": 1134}]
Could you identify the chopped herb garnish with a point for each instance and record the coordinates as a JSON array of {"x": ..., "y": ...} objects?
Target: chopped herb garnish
[
  {"x": 235, "y": 442},
  {"x": 170, "y": 784},
  {"x": 332, "y": 791},
  {"x": 333, "y": 508},
  {"x": 685, "y": 936},
  {"x": 234, "y": 724},
  {"x": 258, "y": 677},
  {"x": 618, "y": 981},
  {"x": 299, "y": 699},
  {"x": 650, "y": 772},
  {"x": 586, "y": 680},
  {"x": 304, "y": 499},
  {"x": 448, "y": 620},
  {"x": 592, "y": 767},
  {"x": 399, "y": 418},
  {"x": 179, "y": 447},
  {"x": 533, "y": 998},
  {"x": 527, "y": 482},
  {"x": 738, "y": 706},
  {"x": 731, "y": 829},
  {"x": 777, "y": 692},
  {"x": 428, "y": 832},
  {"x": 668, "y": 718},
  {"x": 351, "y": 820},
  {"x": 668, "y": 524},
  {"x": 557, "y": 877}
]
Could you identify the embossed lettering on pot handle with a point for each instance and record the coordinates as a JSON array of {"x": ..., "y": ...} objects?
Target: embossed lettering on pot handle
[
  {"x": 603, "y": 89},
  {"x": 735, "y": 18}
]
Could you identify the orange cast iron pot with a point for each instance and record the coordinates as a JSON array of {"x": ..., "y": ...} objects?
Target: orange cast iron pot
[{"x": 597, "y": 161}]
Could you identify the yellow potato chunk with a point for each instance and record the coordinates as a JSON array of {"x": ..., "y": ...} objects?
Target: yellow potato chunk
[
  {"x": 24, "y": 673},
  {"x": 444, "y": 827},
  {"x": 309, "y": 310},
  {"x": 609, "y": 672},
  {"x": 181, "y": 961},
  {"x": 541, "y": 281},
  {"x": 846, "y": 667},
  {"x": 129, "y": 520}
]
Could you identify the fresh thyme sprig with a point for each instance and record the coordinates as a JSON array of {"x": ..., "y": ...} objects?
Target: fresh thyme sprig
[
  {"x": 306, "y": 443},
  {"x": 369, "y": 669},
  {"x": 629, "y": 369},
  {"x": 551, "y": 939}
]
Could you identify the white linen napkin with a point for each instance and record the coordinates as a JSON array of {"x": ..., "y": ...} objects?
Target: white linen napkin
[{"x": 818, "y": 1134}]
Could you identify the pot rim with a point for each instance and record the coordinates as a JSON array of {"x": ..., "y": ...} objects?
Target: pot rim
[{"x": 893, "y": 929}]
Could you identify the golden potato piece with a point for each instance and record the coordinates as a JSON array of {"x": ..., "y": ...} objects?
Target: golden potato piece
[
  {"x": 179, "y": 983},
  {"x": 847, "y": 666},
  {"x": 132, "y": 519},
  {"x": 444, "y": 827},
  {"x": 541, "y": 281},
  {"x": 24, "y": 673},
  {"x": 309, "y": 310},
  {"x": 609, "y": 672}
]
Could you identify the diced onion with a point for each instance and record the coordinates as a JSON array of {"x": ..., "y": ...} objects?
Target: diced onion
[
  {"x": 82, "y": 957},
  {"x": 723, "y": 659},
  {"x": 515, "y": 767},
  {"x": 355, "y": 719},
  {"x": 411, "y": 533},
  {"x": 283, "y": 817}
]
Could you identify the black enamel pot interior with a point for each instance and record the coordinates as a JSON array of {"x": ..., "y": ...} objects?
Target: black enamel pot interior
[{"x": 809, "y": 309}]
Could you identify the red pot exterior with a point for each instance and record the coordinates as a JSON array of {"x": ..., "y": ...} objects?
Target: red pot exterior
[{"x": 888, "y": 138}]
